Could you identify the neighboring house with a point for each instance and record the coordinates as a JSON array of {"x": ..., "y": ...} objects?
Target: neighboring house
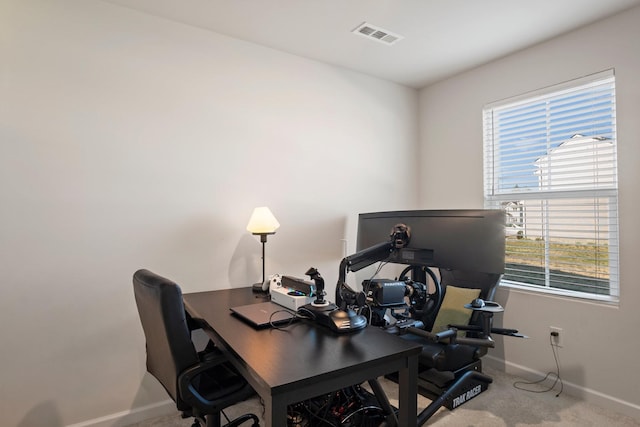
[{"x": 578, "y": 165}]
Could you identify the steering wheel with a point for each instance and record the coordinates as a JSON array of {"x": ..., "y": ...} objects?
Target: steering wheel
[{"x": 430, "y": 302}]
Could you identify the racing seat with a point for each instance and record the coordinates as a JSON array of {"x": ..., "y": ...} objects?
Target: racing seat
[{"x": 454, "y": 339}]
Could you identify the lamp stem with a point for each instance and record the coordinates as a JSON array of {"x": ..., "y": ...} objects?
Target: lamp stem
[
  {"x": 259, "y": 287},
  {"x": 263, "y": 239}
]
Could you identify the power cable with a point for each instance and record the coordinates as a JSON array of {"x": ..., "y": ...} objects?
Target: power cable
[{"x": 558, "y": 378}]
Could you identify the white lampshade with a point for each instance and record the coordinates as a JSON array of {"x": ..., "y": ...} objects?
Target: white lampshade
[{"x": 262, "y": 221}]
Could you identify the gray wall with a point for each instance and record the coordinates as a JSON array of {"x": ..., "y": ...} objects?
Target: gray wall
[
  {"x": 599, "y": 357},
  {"x": 128, "y": 141}
]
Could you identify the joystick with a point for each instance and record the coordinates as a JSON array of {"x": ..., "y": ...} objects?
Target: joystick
[{"x": 328, "y": 314}]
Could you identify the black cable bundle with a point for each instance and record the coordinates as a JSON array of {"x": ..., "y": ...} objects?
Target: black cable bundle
[{"x": 556, "y": 374}]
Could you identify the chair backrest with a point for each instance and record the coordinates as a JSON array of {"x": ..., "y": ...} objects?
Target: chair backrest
[
  {"x": 168, "y": 341},
  {"x": 487, "y": 283}
]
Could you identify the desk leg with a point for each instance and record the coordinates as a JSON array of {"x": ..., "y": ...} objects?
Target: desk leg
[
  {"x": 275, "y": 414},
  {"x": 408, "y": 393}
]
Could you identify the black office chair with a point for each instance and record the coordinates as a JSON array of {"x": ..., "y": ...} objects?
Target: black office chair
[
  {"x": 202, "y": 384},
  {"x": 450, "y": 365}
]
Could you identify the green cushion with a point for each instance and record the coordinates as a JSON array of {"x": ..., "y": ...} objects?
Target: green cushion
[{"x": 452, "y": 311}]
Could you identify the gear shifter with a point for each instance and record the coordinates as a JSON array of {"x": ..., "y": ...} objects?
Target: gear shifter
[{"x": 328, "y": 314}]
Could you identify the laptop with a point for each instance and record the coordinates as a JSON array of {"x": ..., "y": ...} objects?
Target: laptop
[{"x": 263, "y": 314}]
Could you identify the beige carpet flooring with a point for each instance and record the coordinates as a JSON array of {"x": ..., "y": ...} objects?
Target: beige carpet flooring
[{"x": 502, "y": 405}]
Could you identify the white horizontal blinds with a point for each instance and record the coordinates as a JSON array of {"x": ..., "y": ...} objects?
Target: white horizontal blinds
[
  {"x": 566, "y": 243},
  {"x": 527, "y": 133},
  {"x": 550, "y": 163}
]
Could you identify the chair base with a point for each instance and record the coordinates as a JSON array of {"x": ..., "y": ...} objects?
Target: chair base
[
  {"x": 457, "y": 390},
  {"x": 450, "y": 389}
]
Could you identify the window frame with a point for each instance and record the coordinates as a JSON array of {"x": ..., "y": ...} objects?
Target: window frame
[{"x": 496, "y": 194}]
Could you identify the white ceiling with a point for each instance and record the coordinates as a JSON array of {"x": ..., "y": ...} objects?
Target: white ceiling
[{"x": 441, "y": 37}]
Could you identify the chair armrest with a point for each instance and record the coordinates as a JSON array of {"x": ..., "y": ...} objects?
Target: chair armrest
[
  {"x": 466, "y": 327},
  {"x": 186, "y": 387},
  {"x": 477, "y": 342},
  {"x": 500, "y": 331},
  {"x": 449, "y": 333}
]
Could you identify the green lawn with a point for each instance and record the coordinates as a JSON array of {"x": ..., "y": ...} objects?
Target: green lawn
[{"x": 575, "y": 266}]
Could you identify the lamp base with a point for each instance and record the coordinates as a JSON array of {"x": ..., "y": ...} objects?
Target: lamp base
[{"x": 260, "y": 287}]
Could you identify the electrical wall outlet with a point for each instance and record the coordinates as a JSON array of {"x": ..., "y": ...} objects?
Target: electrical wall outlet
[{"x": 557, "y": 338}]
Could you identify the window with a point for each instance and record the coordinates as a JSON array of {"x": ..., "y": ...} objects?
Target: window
[{"x": 550, "y": 163}]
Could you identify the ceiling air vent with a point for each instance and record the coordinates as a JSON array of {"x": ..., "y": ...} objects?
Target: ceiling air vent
[{"x": 376, "y": 33}]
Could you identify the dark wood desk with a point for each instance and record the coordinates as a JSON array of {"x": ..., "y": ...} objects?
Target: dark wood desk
[{"x": 304, "y": 360}]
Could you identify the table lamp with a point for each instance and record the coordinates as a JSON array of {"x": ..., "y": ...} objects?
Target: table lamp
[{"x": 262, "y": 223}]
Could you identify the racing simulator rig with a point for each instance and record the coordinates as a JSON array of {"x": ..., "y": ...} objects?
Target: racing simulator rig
[{"x": 452, "y": 317}]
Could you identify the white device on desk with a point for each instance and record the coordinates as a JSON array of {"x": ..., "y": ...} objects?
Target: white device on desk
[{"x": 287, "y": 294}]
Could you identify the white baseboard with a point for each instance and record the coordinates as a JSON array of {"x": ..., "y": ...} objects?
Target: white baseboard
[
  {"x": 131, "y": 416},
  {"x": 588, "y": 395}
]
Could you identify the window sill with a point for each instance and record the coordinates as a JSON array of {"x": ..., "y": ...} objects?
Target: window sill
[{"x": 608, "y": 300}]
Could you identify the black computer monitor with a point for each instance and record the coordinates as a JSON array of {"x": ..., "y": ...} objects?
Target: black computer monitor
[{"x": 458, "y": 239}]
